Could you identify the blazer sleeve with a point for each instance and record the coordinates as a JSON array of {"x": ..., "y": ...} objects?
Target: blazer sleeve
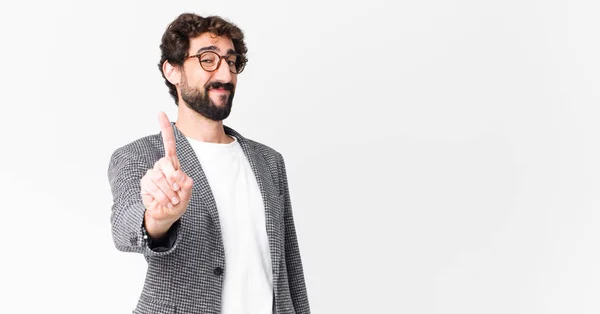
[
  {"x": 125, "y": 171},
  {"x": 292, "y": 252}
]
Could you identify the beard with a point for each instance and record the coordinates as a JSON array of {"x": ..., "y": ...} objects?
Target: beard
[{"x": 198, "y": 100}]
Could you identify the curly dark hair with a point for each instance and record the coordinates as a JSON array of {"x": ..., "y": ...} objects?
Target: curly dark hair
[{"x": 175, "y": 41}]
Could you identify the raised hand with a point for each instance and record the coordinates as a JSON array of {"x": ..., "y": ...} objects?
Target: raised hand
[{"x": 165, "y": 189}]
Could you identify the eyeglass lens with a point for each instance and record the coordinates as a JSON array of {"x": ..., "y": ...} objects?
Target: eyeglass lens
[{"x": 210, "y": 61}]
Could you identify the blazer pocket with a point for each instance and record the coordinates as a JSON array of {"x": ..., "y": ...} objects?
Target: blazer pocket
[{"x": 149, "y": 306}]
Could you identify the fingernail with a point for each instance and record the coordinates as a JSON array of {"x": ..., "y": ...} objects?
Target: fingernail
[
  {"x": 175, "y": 187},
  {"x": 169, "y": 205},
  {"x": 175, "y": 200}
]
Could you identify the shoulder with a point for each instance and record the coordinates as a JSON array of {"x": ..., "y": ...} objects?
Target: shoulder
[
  {"x": 147, "y": 149},
  {"x": 272, "y": 158},
  {"x": 265, "y": 150},
  {"x": 269, "y": 153}
]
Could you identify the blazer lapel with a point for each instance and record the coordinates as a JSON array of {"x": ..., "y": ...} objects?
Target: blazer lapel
[
  {"x": 203, "y": 197},
  {"x": 269, "y": 194}
]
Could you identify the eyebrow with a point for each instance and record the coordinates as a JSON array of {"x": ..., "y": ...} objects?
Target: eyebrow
[{"x": 214, "y": 48}]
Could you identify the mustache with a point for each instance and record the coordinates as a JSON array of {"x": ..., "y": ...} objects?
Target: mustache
[{"x": 226, "y": 86}]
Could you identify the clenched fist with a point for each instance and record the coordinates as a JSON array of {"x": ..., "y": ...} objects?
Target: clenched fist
[{"x": 165, "y": 189}]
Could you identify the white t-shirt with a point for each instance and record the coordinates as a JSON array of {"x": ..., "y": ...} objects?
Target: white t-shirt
[{"x": 248, "y": 276}]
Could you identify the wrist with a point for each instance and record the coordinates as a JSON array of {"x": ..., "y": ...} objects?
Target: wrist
[{"x": 156, "y": 229}]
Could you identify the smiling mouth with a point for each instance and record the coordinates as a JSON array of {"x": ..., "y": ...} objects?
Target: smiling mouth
[{"x": 220, "y": 90}]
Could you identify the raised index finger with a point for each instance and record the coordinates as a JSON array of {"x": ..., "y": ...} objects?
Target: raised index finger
[{"x": 167, "y": 135}]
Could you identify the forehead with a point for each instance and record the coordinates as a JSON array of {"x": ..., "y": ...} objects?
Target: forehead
[{"x": 221, "y": 43}]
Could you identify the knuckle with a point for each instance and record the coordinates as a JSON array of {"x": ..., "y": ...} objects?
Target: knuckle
[
  {"x": 170, "y": 176},
  {"x": 153, "y": 189},
  {"x": 177, "y": 175},
  {"x": 157, "y": 176}
]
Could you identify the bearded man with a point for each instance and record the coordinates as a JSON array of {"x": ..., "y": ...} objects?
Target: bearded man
[{"x": 209, "y": 209}]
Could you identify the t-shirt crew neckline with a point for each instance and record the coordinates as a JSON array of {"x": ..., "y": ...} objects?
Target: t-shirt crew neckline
[{"x": 215, "y": 146}]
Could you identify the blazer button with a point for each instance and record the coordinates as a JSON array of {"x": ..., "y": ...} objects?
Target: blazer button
[{"x": 218, "y": 271}]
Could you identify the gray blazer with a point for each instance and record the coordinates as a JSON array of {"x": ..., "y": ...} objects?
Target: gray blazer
[{"x": 187, "y": 277}]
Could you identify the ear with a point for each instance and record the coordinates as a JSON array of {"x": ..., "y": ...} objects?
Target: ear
[{"x": 172, "y": 73}]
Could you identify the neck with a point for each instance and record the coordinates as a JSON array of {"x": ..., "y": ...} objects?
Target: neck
[{"x": 200, "y": 128}]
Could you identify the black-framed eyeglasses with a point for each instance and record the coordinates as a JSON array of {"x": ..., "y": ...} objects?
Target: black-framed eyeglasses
[{"x": 210, "y": 61}]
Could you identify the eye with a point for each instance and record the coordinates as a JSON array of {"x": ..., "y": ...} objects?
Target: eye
[
  {"x": 230, "y": 62},
  {"x": 208, "y": 58}
]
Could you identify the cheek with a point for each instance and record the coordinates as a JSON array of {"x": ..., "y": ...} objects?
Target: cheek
[{"x": 197, "y": 80}]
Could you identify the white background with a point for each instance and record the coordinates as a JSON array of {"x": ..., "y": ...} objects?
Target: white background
[{"x": 442, "y": 156}]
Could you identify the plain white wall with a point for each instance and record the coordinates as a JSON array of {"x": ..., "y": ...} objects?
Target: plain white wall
[{"x": 442, "y": 155}]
